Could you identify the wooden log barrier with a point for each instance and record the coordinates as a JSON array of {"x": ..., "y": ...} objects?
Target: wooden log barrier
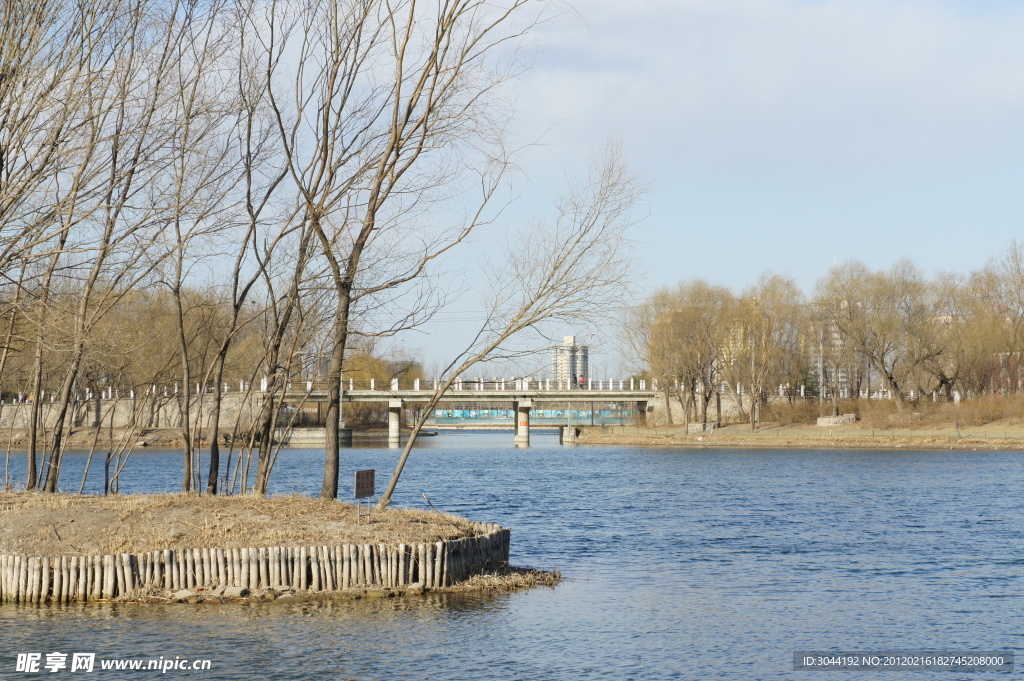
[{"x": 67, "y": 579}]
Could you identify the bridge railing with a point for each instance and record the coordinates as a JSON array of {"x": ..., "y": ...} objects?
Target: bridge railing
[
  {"x": 321, "y": 385},
  {"x": 502, "y": 385},
  {"x": 473, "y": 384}
]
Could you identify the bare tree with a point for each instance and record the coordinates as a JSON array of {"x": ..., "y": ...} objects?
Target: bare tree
[
  {"x": 45, "y": 53},
  {"x": 767, "y": 330},
  {"x": 690, "y": 328},
  {"x": 579, "y": 265},
  {"x": 128, "y": 132},
  {"x": 217, "y": 143},
  {"x": 382, "y": 101},
  {"x": 883, "y": 317}
]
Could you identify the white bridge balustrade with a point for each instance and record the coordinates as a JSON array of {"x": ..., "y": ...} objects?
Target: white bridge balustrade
[{"x": 315, "y": 386}]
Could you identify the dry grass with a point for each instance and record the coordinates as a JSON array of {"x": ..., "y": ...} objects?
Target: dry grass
[
  {"x": 788, "y": 413},
  {"x": 508, "y": 579},
  {"x": 973, "y": 412},
  {"x": 61, "y": 524}
]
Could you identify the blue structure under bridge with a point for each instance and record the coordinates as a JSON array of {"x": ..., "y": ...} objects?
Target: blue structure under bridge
[{"x": 538, "y": 417}]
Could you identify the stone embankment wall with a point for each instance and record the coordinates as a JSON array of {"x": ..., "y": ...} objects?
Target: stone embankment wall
[
  {"x": 25, "y": 579},
  {"x": 841, "y": 420},
  {"x": 144, "y": 411}
]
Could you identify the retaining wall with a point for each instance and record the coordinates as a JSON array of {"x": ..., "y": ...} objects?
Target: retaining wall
[
  {"x": 841, "y": 420},
  {"x": 68, "y": 579},
  {"x": 138, "y": 410}
]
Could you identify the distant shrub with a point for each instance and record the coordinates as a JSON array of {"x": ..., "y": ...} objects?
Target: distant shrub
[
  {"x": 788, "y": 413},
  {"x": 972, "y": 411}
]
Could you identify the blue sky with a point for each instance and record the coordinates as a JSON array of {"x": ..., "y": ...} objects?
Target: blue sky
[
  {"x": 792, "y": 134},
  {"x": 783, "y": 134}
]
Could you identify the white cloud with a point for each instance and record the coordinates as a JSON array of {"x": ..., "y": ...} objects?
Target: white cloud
[{"x": 733, "y": 84}]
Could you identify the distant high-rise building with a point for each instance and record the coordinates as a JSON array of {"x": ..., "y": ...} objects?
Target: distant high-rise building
[{"x": 569, "y": 362}]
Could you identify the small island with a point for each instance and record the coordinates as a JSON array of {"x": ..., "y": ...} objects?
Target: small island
[{"x": 61, "y": 548}]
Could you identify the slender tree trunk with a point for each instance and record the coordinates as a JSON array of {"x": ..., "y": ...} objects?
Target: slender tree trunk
[
  {"x": 33, "y": 423},
  {"x": 893, "y": 385},
  {"x": 37, "y": 368},
  {"x": 266, "y": 435},
  {"x": 218, "y": 396},
  {"x": 704, "y": 403},
  {"x": 332, "y": 449},
  {"x": 738, "y": 399},
  {"x": 683, "y": 397},
  {"x": 268, "y": 413},
  {"x": 668, "y": 402},
  {"x": 57, "y": 446},
  {"x": 757, "y": 394},
  {"x": 184, "y": 398}
]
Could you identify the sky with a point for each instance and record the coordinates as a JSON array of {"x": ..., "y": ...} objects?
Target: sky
[{"x": 789, "y": 135}]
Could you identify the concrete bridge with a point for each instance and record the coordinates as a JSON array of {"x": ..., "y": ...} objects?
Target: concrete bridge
[
  {"x": 522, "y": 394},
  {"x": 522, "y": 401}
]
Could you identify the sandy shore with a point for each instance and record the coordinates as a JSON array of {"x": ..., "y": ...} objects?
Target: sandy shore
[
  {"x": 996, "y": 436},
  {"x": 84, "y": 438}
]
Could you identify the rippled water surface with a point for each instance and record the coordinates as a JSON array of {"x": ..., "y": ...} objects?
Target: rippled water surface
[{"x": 689, "y": 564}]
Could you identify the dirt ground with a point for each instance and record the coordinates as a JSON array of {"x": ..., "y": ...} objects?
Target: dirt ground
[
  {"x": 997, "y": 436},
  {"x": 65, "y": 524},
  {"x": 83, "y": 438}
]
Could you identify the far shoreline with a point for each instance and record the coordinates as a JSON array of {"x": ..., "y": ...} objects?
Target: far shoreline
[
  {"x": 999, "y": 436},
  {"x": 995, "y": 437}
]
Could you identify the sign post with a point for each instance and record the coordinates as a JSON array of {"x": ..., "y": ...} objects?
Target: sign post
[{"x": 364, "y": 490}]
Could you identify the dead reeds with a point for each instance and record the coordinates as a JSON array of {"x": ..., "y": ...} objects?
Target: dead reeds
[{"x": 63, "y": 524}]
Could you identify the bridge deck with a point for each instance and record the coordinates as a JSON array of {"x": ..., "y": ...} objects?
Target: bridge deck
[{"x": 480, "y": 396}]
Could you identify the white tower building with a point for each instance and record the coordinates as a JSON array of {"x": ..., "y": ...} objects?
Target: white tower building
[{"x": 570, "y": 362}]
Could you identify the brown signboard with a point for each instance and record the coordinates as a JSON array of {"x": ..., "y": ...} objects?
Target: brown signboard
[{"x": 364, "y": 483}]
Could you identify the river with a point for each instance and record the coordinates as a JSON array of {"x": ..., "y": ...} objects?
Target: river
[{"x": 680, "y": 564}]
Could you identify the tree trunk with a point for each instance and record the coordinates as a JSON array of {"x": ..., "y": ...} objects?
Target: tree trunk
[
  {"x": 668, "y": 402},
  {"x": 705, "y": 396},
  {"x": 37, "y": 369},
  {"x": 738, "y": 399},
  {"x": 184, "y": 398},
  {"x": 57, "y": 446},
  {"x": 683, "y": 396},
  {"x": 33, "y": 425},
  {"x": 753, "y": 409},
  {"x": 214, "y": 474},
  {"x": 894, "y": 388},
  {"x": 266, "y": 437},
  {"x": 332, "y": 448}
]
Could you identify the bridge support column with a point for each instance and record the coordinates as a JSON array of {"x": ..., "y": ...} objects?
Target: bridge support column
[
  {"x": 394, "y": 423},
  {"x": 523, "y": 408}
]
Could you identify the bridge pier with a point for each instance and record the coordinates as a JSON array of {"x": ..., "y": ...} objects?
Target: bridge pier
[
  {"x": 522, "y": 409},
  {"x": 641, "y": 413},
  {"x": 394, "y": 423}
]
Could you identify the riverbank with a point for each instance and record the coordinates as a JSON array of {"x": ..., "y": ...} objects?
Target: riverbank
[
  {"x": 87, "y": 438},
  {"x": 1000, "y": 435}
]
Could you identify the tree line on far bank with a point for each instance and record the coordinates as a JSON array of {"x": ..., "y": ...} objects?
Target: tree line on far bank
[{"x": 862, "y": 329}]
